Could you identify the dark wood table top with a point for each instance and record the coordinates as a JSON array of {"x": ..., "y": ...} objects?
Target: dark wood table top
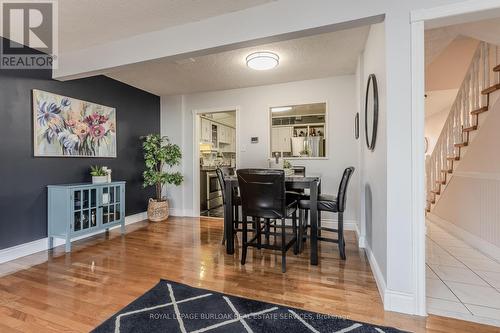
[{"x": 288, "y": 179}]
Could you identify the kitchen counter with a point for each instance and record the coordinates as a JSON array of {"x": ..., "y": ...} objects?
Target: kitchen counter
[{"x": 211, "y": 168}]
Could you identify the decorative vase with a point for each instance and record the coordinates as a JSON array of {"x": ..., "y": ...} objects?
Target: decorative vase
[
  {"x": 99, "y": 179},
  {"x": 157, "y": 210}
]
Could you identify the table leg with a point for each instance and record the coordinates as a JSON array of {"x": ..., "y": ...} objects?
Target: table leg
[
  {"x": 314, "y": 222},
  {"x": 228, "y": 219}
]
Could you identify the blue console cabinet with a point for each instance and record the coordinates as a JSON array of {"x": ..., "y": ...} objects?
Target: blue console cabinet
[{"x": 78, "y": 209}]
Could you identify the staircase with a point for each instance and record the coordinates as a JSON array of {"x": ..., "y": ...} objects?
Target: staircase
[{"x": 467, "y": 113}]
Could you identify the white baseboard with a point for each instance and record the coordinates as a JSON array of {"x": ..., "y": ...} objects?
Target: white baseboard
[
  {"x": 351, "y": 225},
  {"x": 398, "y": 301},
  {"x": 377, "y": 273},
  {"x": 38, "y": 245},
  {"x": 176, "y": 212},
  {"x": 476, "y": 242},
  {"x": 393, "y": 300}
]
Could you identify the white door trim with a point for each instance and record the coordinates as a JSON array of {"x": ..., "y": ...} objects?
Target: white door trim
[
  {"x": 418, "y": 165},
  {"x": 196, "y": 153},
  {"x": 456, "y": 9},
  {"x": 418, "y": 19}
]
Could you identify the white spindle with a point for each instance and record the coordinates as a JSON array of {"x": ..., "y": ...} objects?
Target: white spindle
[
  {"x": 497, "y": 75},
  {"x": 487, "y": 66}
]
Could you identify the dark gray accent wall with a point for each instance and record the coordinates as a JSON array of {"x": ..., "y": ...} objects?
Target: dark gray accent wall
[{"x": 23, "y": 178}]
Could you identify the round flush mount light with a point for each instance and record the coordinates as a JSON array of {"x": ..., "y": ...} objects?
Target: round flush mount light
[{"x": 262, "y": 61}]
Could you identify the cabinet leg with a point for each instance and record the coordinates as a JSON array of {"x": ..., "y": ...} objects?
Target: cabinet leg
[
  {"x": 51, "y": 243},
  {"x": 67, "y": 246},
  {"x": 123, "y": 228}
]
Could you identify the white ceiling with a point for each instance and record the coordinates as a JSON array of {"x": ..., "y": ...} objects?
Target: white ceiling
[
  {"x": 228, "y": 118},
  {"x": 438, "y": 39},
  {"x": 83, "y": 23},
  {"x": 318, "y": 56}
]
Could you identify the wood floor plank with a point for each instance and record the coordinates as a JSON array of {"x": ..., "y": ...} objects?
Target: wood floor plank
[{"x": 74, "y": 292}]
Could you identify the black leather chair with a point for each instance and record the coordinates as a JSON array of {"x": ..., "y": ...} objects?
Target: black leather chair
[
  {"x": 263, "y": 196},
  {"x": 330, "y": 203},
  {"x": 222, "y": 172}
]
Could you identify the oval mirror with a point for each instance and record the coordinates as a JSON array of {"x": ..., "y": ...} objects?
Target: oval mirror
[{"x": 371, "y": 112}]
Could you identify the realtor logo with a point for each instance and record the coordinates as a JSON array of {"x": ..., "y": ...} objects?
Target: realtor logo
[{"x": 29, "y": 31}]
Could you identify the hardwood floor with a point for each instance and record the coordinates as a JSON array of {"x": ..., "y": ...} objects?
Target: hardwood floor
[{"x": 75, "y": 292}]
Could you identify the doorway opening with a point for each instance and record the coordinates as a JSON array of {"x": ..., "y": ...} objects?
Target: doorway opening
[
  {"x": 216, "y": 132},
  {"x": 454, "y": 134}
]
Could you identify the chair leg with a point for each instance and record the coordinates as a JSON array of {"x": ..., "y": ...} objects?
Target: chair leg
[
  {"x": 306, "y": 221},
  {"x": 237, "y": 216},
  {"x": 295, "y": 233},
  {"x": 300, "y": 239},
  {"x": 258, "y": 232},
  {"x": 283, "y": 246},
  {"x": 244, "y": 241},
  {"x": 268, "y": 231},
  {"x": 319, "y": 223},
  {"x": 224, "y": 235},
  {"x": 341, "y": 235}
]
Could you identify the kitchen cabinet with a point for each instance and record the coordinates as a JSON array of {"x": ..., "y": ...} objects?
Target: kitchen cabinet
[
  {"x": 281, "y": 138},
  {"x": 206, "y": 130},
  {"x": 227, "y": 139},
  {"x": 225, "y": 134},
  {"x": 233, "y": 140}
]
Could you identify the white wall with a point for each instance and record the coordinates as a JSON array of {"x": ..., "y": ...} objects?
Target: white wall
[
  {"x": 374, "y": 163},
  {"x": 339, "y": 93},
  {"x": 172, "y": 126},
  {"x": 433, "y": 127}
]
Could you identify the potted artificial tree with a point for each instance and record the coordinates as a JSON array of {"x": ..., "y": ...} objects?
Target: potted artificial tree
[{"x": 159, "y": 154}]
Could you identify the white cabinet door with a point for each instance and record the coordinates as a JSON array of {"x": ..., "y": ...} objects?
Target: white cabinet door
[
  {"x": 226, "y": 134},
  {"x": 285, "y": 139},
  {"x": 233, "y": 140},
  {"x": 275, "y": 140},
  {"x": 221, "y": 131},
  {"x": 206, "y": 131}
]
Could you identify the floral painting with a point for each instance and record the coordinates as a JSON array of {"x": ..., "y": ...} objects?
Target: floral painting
[{"x": 65, "y": 126}]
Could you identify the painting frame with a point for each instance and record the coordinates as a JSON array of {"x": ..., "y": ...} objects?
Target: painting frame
[{"x": 88, "y": 130}]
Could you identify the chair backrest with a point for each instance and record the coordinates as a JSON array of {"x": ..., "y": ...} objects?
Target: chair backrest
[
  {"x": 222, "y": 183},
  {"x": 222, "y": 172},
  {"x": 262, "y": 192},
  {"x": 341, "y": 196}
]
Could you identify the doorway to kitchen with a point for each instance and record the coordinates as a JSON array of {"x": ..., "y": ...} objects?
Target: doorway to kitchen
[{"x": 216, "y": 133}]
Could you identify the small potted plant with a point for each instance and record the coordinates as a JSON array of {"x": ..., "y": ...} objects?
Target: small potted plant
[
  {"x": 160, "y": 154},
  {"x": 99, "y": 174}
]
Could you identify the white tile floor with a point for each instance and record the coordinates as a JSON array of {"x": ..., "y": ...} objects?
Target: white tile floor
[{"x": 462, "y": 282}]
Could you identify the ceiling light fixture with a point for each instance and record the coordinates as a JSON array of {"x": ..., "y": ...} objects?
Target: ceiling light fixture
[
  {"x": 262, "y": 61},
  {"x": 281, "y": 109}
]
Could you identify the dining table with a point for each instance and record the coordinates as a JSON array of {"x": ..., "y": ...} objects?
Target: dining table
[{"x": 292, "y": 182}]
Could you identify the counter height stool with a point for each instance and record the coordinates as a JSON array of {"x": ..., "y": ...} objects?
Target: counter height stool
[
  {"x": 330, "y": 203},
  {"x": 263, "y": 196}
]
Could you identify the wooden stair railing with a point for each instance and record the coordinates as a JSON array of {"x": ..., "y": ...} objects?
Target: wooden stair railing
[{"x": 473, "y": 98}]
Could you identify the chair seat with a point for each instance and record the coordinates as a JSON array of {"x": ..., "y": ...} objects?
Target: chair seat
[{"x": 326, "y": 203}]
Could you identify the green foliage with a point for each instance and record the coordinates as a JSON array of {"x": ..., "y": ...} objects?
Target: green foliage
[
  {"x": 287, "y": 164},
  {"x": 97, "y": 171},
  {"x": 159, "y": 154}
]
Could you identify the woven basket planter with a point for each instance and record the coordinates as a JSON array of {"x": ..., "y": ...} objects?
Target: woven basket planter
[{"x": 157, "y": 210}]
